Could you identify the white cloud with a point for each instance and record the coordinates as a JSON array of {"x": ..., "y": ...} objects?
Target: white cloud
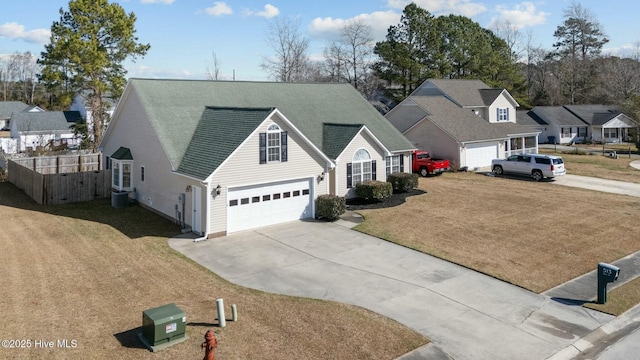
[
  {"x": 15, "y": 31},
  {"x": 629, "y": 50},
  {"x": 219, "y": 8},
  {"x": 268, "y": 12},
  {"x": 157, "y": 1},
  {"x": 467, "y": 8},
  {"x": 379, "y": 21},
  {"x": 520, "y": 15}
]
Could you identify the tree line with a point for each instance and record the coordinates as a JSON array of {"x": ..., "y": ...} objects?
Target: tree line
[
  {"x": 93, "y": 38},
  {"x": 423, "y": 46}
]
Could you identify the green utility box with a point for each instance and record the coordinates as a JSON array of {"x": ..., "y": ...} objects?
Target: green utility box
[{"x": 163, "y": 324}]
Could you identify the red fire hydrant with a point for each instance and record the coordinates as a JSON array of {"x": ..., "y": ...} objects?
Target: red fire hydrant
[{"x": 210, "y": 343}]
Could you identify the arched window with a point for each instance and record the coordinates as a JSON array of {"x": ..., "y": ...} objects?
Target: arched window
[
  {"x": 361, "y": 166},
  {"x": 273, "y": 145}
]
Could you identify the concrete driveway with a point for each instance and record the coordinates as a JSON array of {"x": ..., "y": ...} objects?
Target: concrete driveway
[
  {"x": 466, "y": 314},
  {"x": 592, "y": 183}
]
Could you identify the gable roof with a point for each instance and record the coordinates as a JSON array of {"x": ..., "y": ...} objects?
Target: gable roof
[
  {"x": 175, "y": 109},
  {"x": 558, "y": 115},
  {"x": 528, "y": 118},
  {"x": 462, "y": 124},
  {"x": 465, "y": 93},
  {"x": 7, "y": 108},
  {"x": 213, "y": 129},
  {"x": 49, "y": 121},
  {"x": 337, "y": 136},
  {"x": 594, "y": 114}
]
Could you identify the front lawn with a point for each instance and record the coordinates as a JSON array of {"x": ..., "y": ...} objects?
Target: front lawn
[
  {"x": 597, "y": 165},
  {"x": 535, "y": 235},
  {"x": 86, "y": 272}
]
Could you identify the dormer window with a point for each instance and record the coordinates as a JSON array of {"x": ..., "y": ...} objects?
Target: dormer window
[
  {"x": 503, "y": 114},
  {"x": 273, "y": 145}
]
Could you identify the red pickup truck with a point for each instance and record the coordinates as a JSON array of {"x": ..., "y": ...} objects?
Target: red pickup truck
[{"x": 423, "y": 163}]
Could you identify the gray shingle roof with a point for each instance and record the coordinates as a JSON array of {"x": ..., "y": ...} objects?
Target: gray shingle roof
[
  {"x": 175, "y": 109},
  {"x": 557, "y": 114},
  {"x": 528, "y": 118},
  {"x": 594, "y": 114},
  {"x": 337, "y": 136},
  {"x": 213, "y": 132},
  {"x": 7, "y": 108},
  {"x": 49, "y": 121},
  {"x": 466, "y": 93},
  {"x": 462, "y": 124},
  {"x": 122, "y": 153}
]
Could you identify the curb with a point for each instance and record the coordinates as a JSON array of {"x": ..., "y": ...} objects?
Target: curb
[{"x": 599, "y": 339}]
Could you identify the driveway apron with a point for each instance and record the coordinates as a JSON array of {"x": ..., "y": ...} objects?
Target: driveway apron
[{"x": 466, "y": 314}]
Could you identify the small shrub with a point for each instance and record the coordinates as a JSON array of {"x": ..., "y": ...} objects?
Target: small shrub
[
  {"x": 374, "y": 190},
  {"x": 330, "y": 207},
  {"x": 403, "y": 182}
]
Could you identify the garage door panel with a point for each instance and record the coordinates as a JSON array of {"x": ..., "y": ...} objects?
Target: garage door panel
[
  {"x": 480, "y": 155},
  {"x": 268, "y": 204}
]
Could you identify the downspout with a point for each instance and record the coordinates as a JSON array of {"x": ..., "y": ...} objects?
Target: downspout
[{"x": 207, "y": 228}]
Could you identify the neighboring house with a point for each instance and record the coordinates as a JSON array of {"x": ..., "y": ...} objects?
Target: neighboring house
[
  {"x": 528, "y": 119},
  {"x": 33, "y": 129},
  {"x": 81, "y": 104},
  {"x": 463, "y": 120},
  {"x": 223, "y": 156},
  {"x": 581, "y": 123},
  {"x": 606, "y": 123},
  {"x": 8, "y": 108}
]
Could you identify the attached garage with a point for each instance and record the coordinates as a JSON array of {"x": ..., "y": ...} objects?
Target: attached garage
[
  {"x": 480, "y": 154},
  {"x": 269, "y": 204}
]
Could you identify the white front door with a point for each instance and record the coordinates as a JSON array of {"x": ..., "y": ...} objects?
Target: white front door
[{"x": 196, "y": 207}]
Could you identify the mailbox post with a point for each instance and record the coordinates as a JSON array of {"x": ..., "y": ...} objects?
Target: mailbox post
[{"x": 607, "y": 273}]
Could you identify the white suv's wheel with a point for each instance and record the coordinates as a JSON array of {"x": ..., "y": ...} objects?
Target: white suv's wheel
[
  {"x": 497, "y": 170},
  {"x": 537, "y": 175}
]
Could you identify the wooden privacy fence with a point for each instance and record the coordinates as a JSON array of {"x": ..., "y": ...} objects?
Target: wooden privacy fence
[
  {"x": 42, "y": 179},
  {"x": 62, "y": 164}
]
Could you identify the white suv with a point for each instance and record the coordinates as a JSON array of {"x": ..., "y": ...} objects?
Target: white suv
[{"x": 535, "y": 165}]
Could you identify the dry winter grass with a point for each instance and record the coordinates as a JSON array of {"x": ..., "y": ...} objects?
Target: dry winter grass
[
  {"x": 85, "y": 272},
  {"x": 535, "y": 235},
  {"x": 597, "y": 165}
]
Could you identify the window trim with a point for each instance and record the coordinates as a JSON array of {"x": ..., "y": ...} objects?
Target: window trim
[
  {"x": 118, "y": 174},
  {"x": 359, "y": 163},
  {"x": 273, "y": 134},
  {"x": 389, "y": 164},
  {"x": 503, "y": 114}
]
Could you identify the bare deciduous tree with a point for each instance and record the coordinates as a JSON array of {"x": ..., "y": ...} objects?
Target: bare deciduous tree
[
  {"x": 213, "y": 71},
  {"x": 510, "y": 33},
  {"x": 290, "y": 62}
]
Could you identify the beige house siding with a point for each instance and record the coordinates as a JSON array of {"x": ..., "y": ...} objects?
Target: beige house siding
[
  {"x": 501, "y": 102},
  {"x": 427, "y": 136},
  {"x": 362, "y": 141},
  {"x": 243, "y": 168},
  {"x": 161, "y": 189}
]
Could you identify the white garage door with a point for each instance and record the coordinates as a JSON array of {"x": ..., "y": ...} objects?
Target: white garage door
[
  {"x": 268, "y": 204},
  {"x": 480, "y": 155}
]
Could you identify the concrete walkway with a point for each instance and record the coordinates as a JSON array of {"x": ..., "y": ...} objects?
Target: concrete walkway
[{"x": 467, "y": 315}]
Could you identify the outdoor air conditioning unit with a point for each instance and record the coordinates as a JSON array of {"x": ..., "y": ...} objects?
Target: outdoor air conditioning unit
[{"x": 119, "y": 199}]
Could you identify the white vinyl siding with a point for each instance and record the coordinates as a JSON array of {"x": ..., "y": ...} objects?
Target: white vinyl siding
[
  {"x": 161, "y": 189},
  {"x": 362, "y": 141},
  {"x": 243, "y": 169}
]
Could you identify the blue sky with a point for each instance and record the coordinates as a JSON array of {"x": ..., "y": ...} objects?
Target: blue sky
[{"x": 183, "y": 34}]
